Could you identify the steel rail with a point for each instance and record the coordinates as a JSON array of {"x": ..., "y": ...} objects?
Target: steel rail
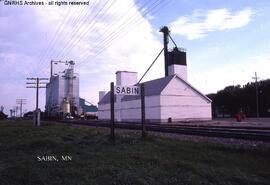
[{"x": 231, "y": 132}]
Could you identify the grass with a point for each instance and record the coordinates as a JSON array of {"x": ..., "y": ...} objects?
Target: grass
[{"x": 131, "y": 160}]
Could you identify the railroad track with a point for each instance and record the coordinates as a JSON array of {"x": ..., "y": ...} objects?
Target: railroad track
[{"x": 247, "y": 133}]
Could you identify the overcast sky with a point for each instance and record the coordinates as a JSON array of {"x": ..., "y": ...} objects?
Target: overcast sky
[{"x": 226, "y": 42}]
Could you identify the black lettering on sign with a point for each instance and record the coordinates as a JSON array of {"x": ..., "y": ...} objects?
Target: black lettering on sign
[
  {"x": 128, "y": 90},
  {"x": 136, "y": 90},
  {"x": 123, "y": 90},
  {"x": 118, "y": 90}
]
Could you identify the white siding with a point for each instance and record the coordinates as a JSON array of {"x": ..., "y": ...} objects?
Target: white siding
[
  {"x": 180, "y": 109},
  {"x": 101, "y": 94},
  {"x": 181, "y": 102},
  {"x": 126, "y": 78},
  {"x": 177, "y": 101},
  {"x": 180, "y": 70},
  {"x": 131, "y": 110},
  {"x": 104, "y": 112}
]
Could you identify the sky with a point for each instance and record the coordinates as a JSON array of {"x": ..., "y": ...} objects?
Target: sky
[{"x": 226, "y": 43}]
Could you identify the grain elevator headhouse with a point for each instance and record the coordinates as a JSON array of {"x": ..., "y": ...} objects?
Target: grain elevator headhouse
[{"x": 175, "y": 59}]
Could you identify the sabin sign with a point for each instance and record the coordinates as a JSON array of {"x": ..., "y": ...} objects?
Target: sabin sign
[{"x": 127, "y": 90}]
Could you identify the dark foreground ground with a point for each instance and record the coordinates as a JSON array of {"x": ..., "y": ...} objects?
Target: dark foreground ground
[{"x": 131, "y": 160}]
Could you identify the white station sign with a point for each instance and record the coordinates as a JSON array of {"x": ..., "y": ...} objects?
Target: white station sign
[{"x": 127, "y": 90}]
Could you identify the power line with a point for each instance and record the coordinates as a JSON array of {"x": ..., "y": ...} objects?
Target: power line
[
  {"x": 88, "y": 28},
  {"x": 58, "y": 30},
  {"x": 84, "y": 32},
  {"x": 75, "y": 23},
  {"x": 79, "y": 37},
  {"x": 72, "y": 43},
  {"x": 124, "y": 14},
  {"x": 49, "y": 52},
  {"x": 130, "y": 22},
  {"x": 109, "y": 42}
]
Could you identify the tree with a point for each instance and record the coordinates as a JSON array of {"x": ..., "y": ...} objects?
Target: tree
[
  {"x": 2, "y": 114},
  {"x": 233, "y": 99}
]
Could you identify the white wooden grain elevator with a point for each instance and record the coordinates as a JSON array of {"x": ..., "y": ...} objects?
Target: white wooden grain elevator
[{"x": 170, "y": 98}]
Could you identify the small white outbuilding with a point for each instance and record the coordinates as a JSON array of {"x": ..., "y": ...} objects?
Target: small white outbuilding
[{"x": 168, "y": 98}]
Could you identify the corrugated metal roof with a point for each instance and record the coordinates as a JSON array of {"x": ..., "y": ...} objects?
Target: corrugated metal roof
[
  {"x": 105, "y": 99},
  {"x": 154, "y": 87},
  {"x": 151, "y": 88},
  {"x": 89, "y": 108}
]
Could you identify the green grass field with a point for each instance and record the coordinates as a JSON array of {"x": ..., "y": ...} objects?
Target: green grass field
[{"x": 131, "y": 160}]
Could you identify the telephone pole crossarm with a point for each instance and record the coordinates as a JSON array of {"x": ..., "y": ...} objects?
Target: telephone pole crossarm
[
  {"x": 21, "y": 102},
  {"x": 36, "y": 84}
]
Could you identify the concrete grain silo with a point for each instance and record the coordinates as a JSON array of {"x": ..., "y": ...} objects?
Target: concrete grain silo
[{"x": 62, "y": 92}]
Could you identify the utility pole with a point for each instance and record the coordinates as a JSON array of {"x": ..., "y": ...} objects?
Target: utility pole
[
  {"x": 112, "y": 98},
  {"x": 36, "y": 82},
  {"x": 165, "y": 30},
  {"x": 21, "y": 102},
  {"x": 257, "y": 94},
  {"x": 15, "y": 108},
  {"x": 12, "y": 112}
]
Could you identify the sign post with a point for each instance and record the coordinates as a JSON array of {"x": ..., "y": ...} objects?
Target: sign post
[
  {"x": 133, "y": 91},
  {"x": 144, "y": 134},
  {"x": 112, "y": 111}
]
